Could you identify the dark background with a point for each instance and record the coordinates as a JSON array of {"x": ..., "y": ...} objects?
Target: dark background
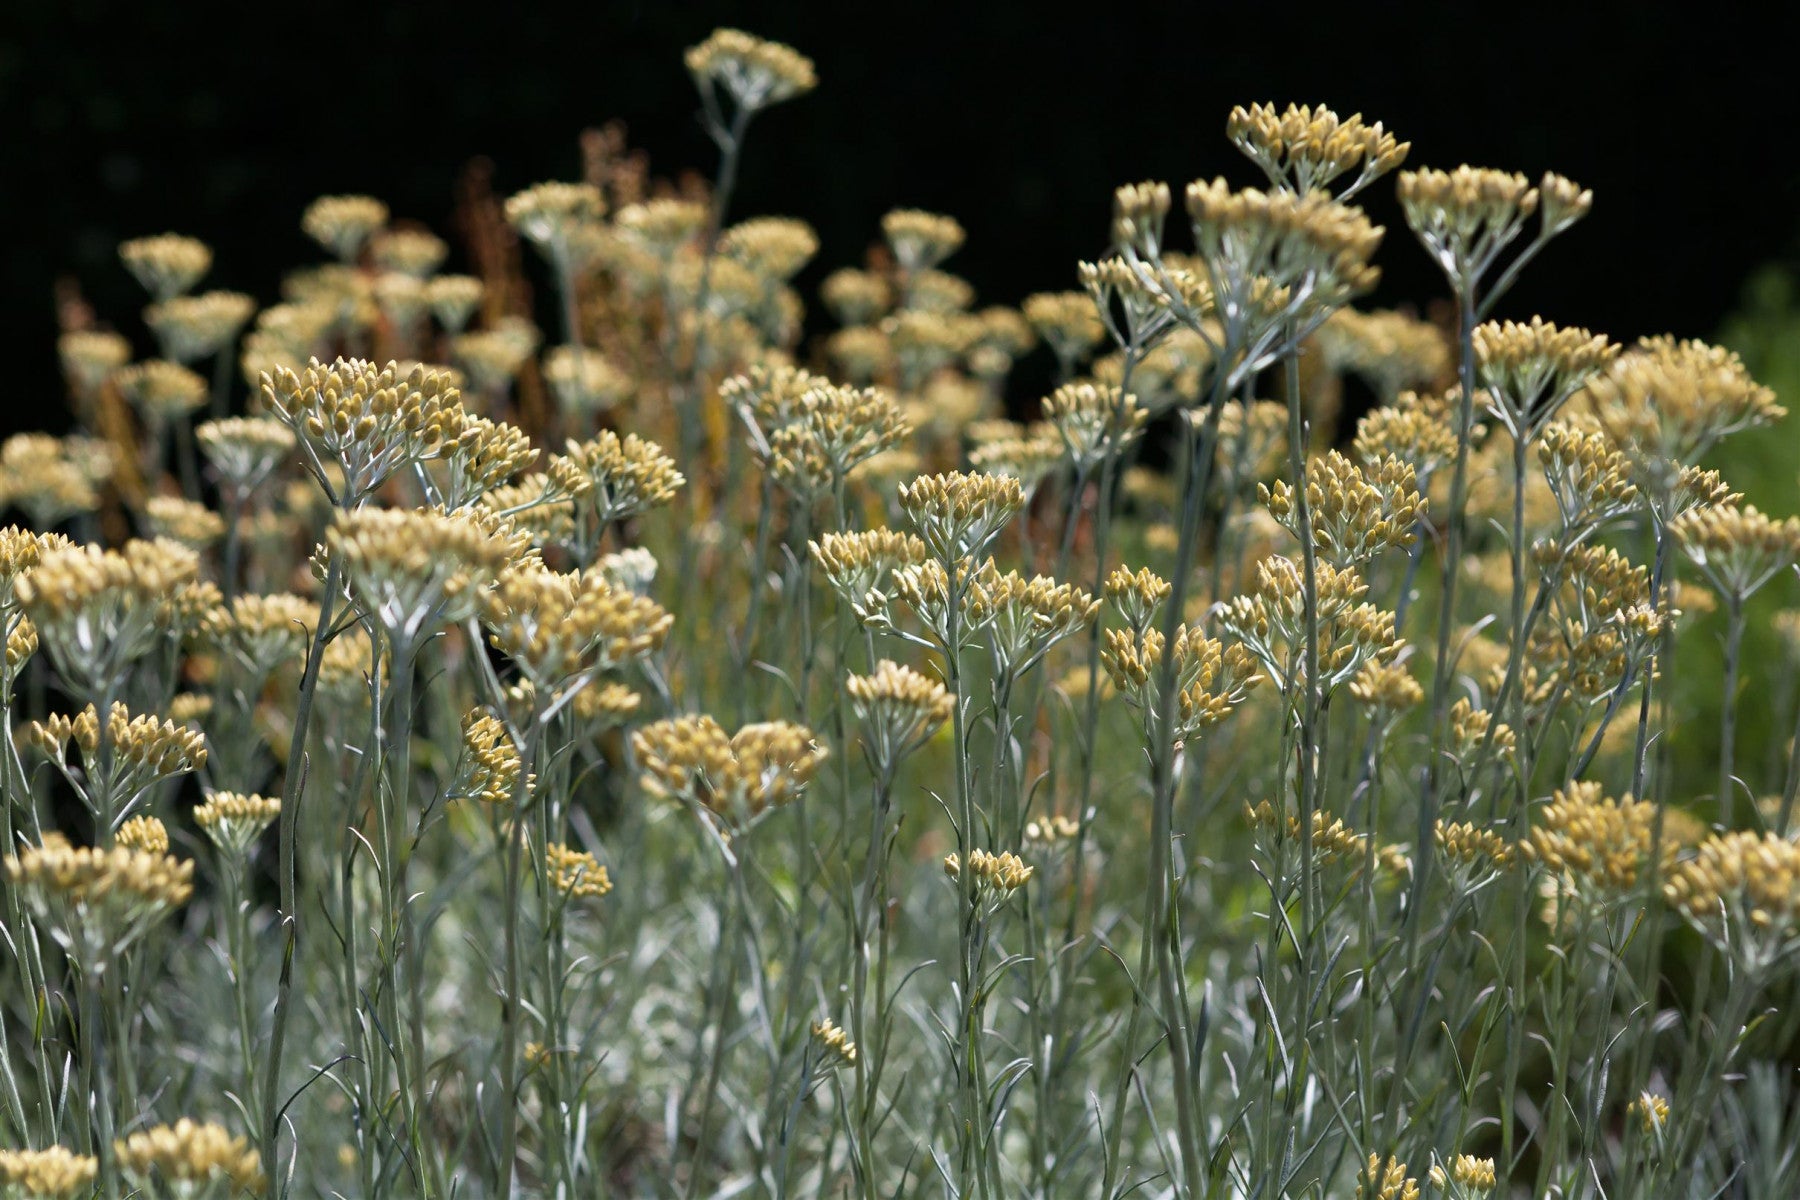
[{"x": 223, "y": 120}]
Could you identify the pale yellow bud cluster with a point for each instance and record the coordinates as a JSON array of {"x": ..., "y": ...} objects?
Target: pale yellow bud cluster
[
  {"x": 97, "y": 902},
  {"x": 1737, "y": 547},
  {"x": 536, "y": 505},
  {"x": 1530, "y": 370},
  {"x": 368, "y": 421},
  {"x": 143, "y": 833},
  {"x": 162, "y": 392},
  {"x": 575, "y": 874},
  {"x": 234, "y": 821},
  {"x": 1667, "y": 402},
  {"x": 1211, "y": 678},
  {"x": 1271, "y": 622},
  {"x": 188, "y": 1156},
  {"x": 1305, "y": 148},
  {"x": 617, "y": 477},
  {"x": 1028, "y": 456},
  {"x": 921, "y": 240},
  {"x": 1589, "y": 478},
  {"x": 1466, "y": 1178},
  {"x": 188, "y": 522},
  {"x": 1356, "y": 511},
  {"x": 664, "y": 225},
  {"x": 141, "y": 750},
  {"x": 54, "y": 1173},
  {"x": 774, "y": 248},
  {"x": 194, "y": 327},
  {"x": 1094, "y": 421},
  {"x": 583, "y": 380},
  {"x": 262, "y": 632},
  {"x": 1468, "y": 844},
  {"x": 1385, "y": 1180},
  {"x": 861, "y": 566},
  {"x": 856, "y": 297},
  {"x": 1651, "y": 1110},
  {"x": 20, "y": 550},
  {"x": 900, "y": 709},
  {"x": 1592, "y": 840},
  {"x": 1252, "y": 240},
  {"x": 831, "y": 431},
  {"x": 1067, "y": 322},
  {"x": 737, "y": 776},
  {"x": 1252, "y": 439},
  {"x": 555, "y": 626},
  {"x": 480, "y": 456},
  {"x": 494, "y": 357},
  {"x": 754, "y": 72},
  {"x": 1023, "y": 618},
  {"x": 1742, "y": 890},
  {"x": 245, "y": 450},
  {"x": 1332, "y": 841},
  {"x": 939, "y": 292},
  {"x": 997, "y": 876},
  {"x": 90, "y": 356},
  {"x": 167, "y": 264},
  {"x": 958, "y": 514},
  {"x": 1386, "y": 687},
  {"x": 453, "y": 299},
  {"x": 1466, "y": 217},
  {"x": 551, "y": 215},
  {"x": 413, "y": 571},
  {"x": 490, "y": 765},
  {"x": 412, "y": 252},
  {"x": 1137, "y": 595},
  {"x": 341, "y": 224},
  {"x": 52, "y": 479},
  {"x": 1470, "y": 731},
  {"x": 838, "y": 1050}
]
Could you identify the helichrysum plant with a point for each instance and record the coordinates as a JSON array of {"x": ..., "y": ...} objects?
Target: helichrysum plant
[{"x": 661, "y": 753}]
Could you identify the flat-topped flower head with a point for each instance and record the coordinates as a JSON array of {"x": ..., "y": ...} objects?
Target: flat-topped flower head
[
  {"x": 1467, "y": 216},
  {"x": 367, "y": 421},
  {"x": 551, "y": 216},
  {"x": 1312, "y": 250},
  {"x": 98, "y": 611},
  {"x": 245, "y": 451},
  {"x": 1386, "y": 689},
  {"x": 739, "y": 776},
  {"x": 140, "y": 752},
  {"x": 1356, "y": 511},
  {"x": 1589, "y": 478},
  {"x": 1466, "y": 1178},
  {"x": 555, "y": 626},
  {"x": 162, "y": 392},
  {"x": 830, "y": 432},
  {"x": 478, "y": 456},
  {"x": 20, "y": 551},
  {"x": 90, "y": 356},
  {"x": 860, "y": 567},
  {"x": 1022, "y": 618},
  {"x": 412, "y": 252},
  {"x": 454, "y": 299},
  {"x": 53, "y": 1173},
  {"x": 194, "y": 327},
  {"x": 489, "y": 766},
  {"x": 1068, "y": 322},
  {"x": 1270, "y": 622},
  {"x": 575, "y": 874},
  {"x": 260, "y": 633},
  {"x": 143, "y": 833},
  {"x": 94, "y": 902},
  {"x": 233, "y": 821},
  {"x": 1306, "y": 148},
  {"x": 341, "y": 224},
  {"x": 899, "y": 708},
  {"x": 167, "y": 264},
  {"x": 49, "y": 478},
  {"x": 1741, "y": 890},
  {"x": 754, "y": 72},
  {"x": 1385, "y": 1180},
  {"x": 1597, "y": 845},
  {"x": 614, "y": 477},
  {"x": 414, "y": 571},
  {"x": 1212, "y": 678},
  {"x": 187, "y": 522},
  {"x": 1737, "y": 547},
  {"x": 585, "y": 381},
  {"x": 1137, "y": 595},
  {"x": 921, "y": 240},
  {"x": 996, "y": 876},
  {"x": 1094, "y": 421},
  {"x": 662, "y": 226},
  {"x": 1530, "y": 370},
  {"x": 958, "y": 514},
  {"x": 494, "y": 357},
  {"x": 190, "y": 1158},
  {"x": 774, "y": 248},
  {"x": 856, "y": 297}
]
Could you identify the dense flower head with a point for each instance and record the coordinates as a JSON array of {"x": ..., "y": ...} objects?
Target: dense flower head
[
  {"x": 53, "y": 479},
  {"x": 550, "y": 215},
  {"x": 836, "y": 1048},
  {"x": 245, "y": 450},
  {"x": 1270, "y": 622},
  {"x": 1067, "y": 322},
  {"x": 921, "y": 240},
  {"x": 860, "y": 567},
  {"x": 53, "y": 1173},
  {"x": 754, "y": 72},
  {"x": 1094, "y": 421},
  {"x": 737, "y": 776},
  {"x": 958, "y": 514},
  {"x": 479, "y": 456},
  {"x": 1137, "y": 595},
  {"x": 493, "y": 357},
  {"x": 617, "y": 477},
  {"x": 831, "y": 431},
  {"x": 413, "y": 252},
  {"x": 900, "y": 709},
  {"x": 997, "y": 876},
  {"x": 1589, "y": 478},
  {"x": 90, "y": 356},
  {"x": 187, "y": 522},
  {"x": 367, "y": 421},
  {"x": 1530, "y": 369},
  {"x": 1466, "y": 1178},
  {"x": 585, "y": 381},
  {"x": 166, "y": 264},
  {"x": 140, "y": 750},
  {"x": 162, "y": 391},
  {"x": 1356, "y": 511},
  {"x": 1591, "y": 840},
  {"x": 1212, "y": 678},
  {"x": 1385, "y": 1180},
  {"x": 1742, "y": 890},
  {"x": 190, "y": 1155},
  {"x": 575, "y": 874},
  {"x": 774, "y": 248},
  {"x": 95, "y": 902},
  {"x": 555, "y": 625},
  {"x": 1737, "y": 547},
  {"x": 262, "y": 632},
  {"x": 1306, "y": 148},
  {"x": 856, "y": 297},
  {"x": 143, "y": 833},
  {"x": 489, "y": 767},
  {"x": 453, "y": 299},
  {"x": 341, "y": 224},
  {"x": 196, "y": 327},
  {"x": 1022, "y": 617},
  {"x": 1466, "y": 217},
  {"x": 413, "y": 571},
  {"x": 97, "y": 611},
  {"x": 234, "y": 821},
  {"x": 1386, "y": 687},
  {"x": 1253, "y": 240}
]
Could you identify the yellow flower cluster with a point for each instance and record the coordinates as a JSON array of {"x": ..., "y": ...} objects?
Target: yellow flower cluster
[
  {"x": 189, "y": 1155},
  {"x": 491, "y": 763},
  {"x": 839, "y": 1050},
  {"x": 575, "y": 874},
  {"x": 143, "y": 833},
  {"x": 1742, "y": 889},
  {"x": 1385, "y": 1180},
  {"x": 997, "y": 876},
  {"x": 1356, "y": 512},
  {"x": 755, "y": 72},
  {"x": 900, "y": 709},
  {"x": 555, "y": 626},
  {"x": 54, "y": 1173},
  {"x": 1305, "y": 148},
  {"x": 1592, "y": 840},
  {"x": 234, "y": 821},
  {"x": 167, "y": 264},
  {"x": 738, "y": 776}
]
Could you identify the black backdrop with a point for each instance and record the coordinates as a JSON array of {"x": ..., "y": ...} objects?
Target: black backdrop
[{"x": 223, "y": 120}]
